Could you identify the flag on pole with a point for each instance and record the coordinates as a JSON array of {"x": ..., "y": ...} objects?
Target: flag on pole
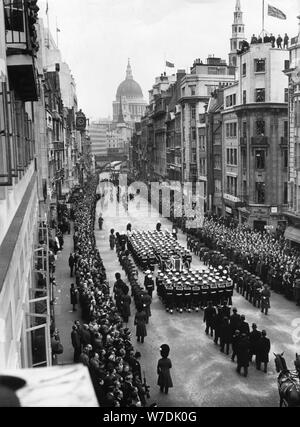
[
  {"x": 58, "y": 30},
  {"x": 170, "y": 65},
  {"x": 276, "y": 13},
  {"x": 47, "y": 8}
]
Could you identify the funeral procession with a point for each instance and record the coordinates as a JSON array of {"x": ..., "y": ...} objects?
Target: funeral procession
[{"x": 149, "y": 232}]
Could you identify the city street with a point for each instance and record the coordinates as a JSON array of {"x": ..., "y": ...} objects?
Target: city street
[{"x": 202, "y": 376}]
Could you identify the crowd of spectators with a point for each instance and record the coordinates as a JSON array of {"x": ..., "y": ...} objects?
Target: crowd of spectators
[{"x": 102, "y": 343}]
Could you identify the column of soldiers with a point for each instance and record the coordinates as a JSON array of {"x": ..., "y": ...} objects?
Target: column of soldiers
[
  {"x": 142, "y": 296},
  {"x": 247, "y": 284},
  {"x": 151, "y": 248},
  {"x": 232, "y": 330},
  {"x": 191, "y": 290}
]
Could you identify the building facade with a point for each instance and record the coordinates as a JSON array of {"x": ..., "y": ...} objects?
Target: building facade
[
  {"x": 292, "y": 71},
  {"x": 37, "y": 139},
  {"x": 255, "y": 135},
  {"x": 196, "y": 89},
  {"x": 24, "y": 336}
]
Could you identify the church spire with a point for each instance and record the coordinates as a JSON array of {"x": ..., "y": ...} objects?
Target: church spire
[
  {"x": 238, "y": 6},
  {"x": 238, "y": 34},
  {"x": 129, "y": 75},
  {"x": 121, "y": 117}
]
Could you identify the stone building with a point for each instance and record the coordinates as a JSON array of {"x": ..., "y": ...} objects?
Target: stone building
[
  {"x": 255, "y": 139},
  {"x": 131, "y": 96}
]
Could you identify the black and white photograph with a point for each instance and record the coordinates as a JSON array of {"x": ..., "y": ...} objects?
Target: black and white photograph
[{"x": 149, "y": 206}]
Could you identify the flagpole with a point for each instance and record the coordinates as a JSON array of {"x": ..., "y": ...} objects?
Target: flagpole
[
  {"x": 48, "y": 24},
  {"x": 263, "y": 19}
]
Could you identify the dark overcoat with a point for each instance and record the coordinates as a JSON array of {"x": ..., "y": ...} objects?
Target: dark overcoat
[
  {"x": 140, "y": 322},
  {"x": 163, "y": 371}
]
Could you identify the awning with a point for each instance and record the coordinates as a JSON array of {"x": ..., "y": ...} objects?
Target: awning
[{"x": 292, "y": 234}]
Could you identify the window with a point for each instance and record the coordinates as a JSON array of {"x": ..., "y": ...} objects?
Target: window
[
  {"x": 231, "y": 130},
  {"x": 14, "y": 19},
  {"x": 202, "y": 169},
  {"x": 217, "y": 161},
  {"x": 286, "y": 95},
  {"x": 260, "y": 95},
  {"x": 244, "y": 158},
  {"x": 230, "y": 100},
  {"x": 244, "y": 130},
  {"x": 260, "y": 128},
  {"x": 183, "y": 91},
  {"x": 244, "y": 69},
  {"x": 232, "y": 186},
  {"x": 286, "y": 129},
  {"x": 202, "y": 142},
  {"x": 285, "y": 193},
  {"x": 232, "y": 156},
  {"x": 245, "y": 189},
  {"x": 260, "y": 65},
  {"x": 260, "y": 159},
  {"x": 260, "y": 192},
  {"x": 285, "y": 154},
  {"x": 240, "y": 29},
  {"x": 234, "y": 45},
  {"x": 193, "y": 90},
  {"x": 193, "y": 112},
  {"x": 194, "y": 134},
  {"x": 218, "y": 186},
  {"x": 244, "y": 97}
]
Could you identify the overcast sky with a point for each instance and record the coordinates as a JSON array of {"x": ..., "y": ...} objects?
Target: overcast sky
[{"x": 98, "y": 36}]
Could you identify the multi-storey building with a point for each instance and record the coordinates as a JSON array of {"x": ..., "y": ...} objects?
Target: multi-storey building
[
  {"x": 173, "y": 122},
  {"x": 36, "y": 132},
  {"x": 292, "y": 233},
  {"x": 24, "y": 311},
  {"x": 196, "y": 90},
  {"x": 255, "y": 135},
  {"x": 157, "y": 128},
  {"x": 214, "y": 134}
]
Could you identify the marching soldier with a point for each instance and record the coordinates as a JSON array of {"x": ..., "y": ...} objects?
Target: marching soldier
[
  {"x": 196, "y": 290},
  {"x": 170, "y": 297},
  {"x": 179, "y": 293},
  {"x": 205, "y": 292},
  {"x": 187, "y": 296},
  {"x": 149, "y": 284}
]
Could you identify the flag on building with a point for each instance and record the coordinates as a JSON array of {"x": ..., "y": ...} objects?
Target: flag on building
[
  {"x": 47, "y": 8},
  {"x": 276, "y": 13},
  {"x": 170, "y": 65}
]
